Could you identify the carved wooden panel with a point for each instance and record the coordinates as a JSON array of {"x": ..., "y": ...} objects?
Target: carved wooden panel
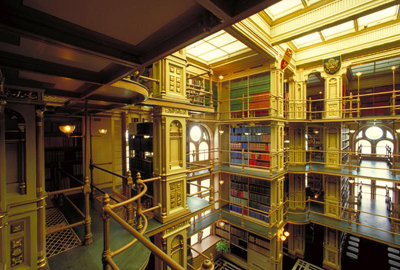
[{"x": 175, "y": 150}]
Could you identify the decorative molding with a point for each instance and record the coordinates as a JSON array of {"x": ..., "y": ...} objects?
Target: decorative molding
[
  {"x": 363, "y": 40},
  {"x": 21, "y": 94}
]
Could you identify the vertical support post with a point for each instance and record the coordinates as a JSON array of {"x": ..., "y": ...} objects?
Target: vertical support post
[
  {"x": 351, "y": 105},
  {"x": 123, "y": 143},
  {"x": 212, "y": 183},
  {"x": 92, "y": 195},
  {"x": 106, "y": 227},
  {"x": 211, "y": 91},
  {"x": 309, "y": 108},
  {"x": 139, "y": 225},
  {"x": 129, "y": 208},
  {"x": 88, "y": 219},
  {"x": 243, "y": 106},
  {"x": 40, "y": 192}
]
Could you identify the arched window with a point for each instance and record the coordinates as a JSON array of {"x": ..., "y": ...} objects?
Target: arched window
[
  {"x": 374, "y": 140},
  {"x": 381, "y": 147},
  {"x": 366, "y": 146},
  {"x": 199, "y": 144}
]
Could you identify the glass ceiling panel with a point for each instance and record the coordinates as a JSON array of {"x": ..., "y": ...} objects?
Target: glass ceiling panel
[
  {"x": 213, "y": 55},
  {"x": 338, "y": 30},
  {"x": 200, "y": 49},
  {"x": 220, "y": 44},
  {"x": 283, "y": 8},
  {"x": 234, "y": 47},
  {"x": 378, "y": 17},
  {"x": 378, "y": 66},
  {"x": 222, "y": 40},
  {"x": 307, "y": 40}
]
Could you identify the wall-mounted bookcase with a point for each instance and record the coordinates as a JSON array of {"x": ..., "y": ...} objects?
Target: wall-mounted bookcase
[
  {"x": 256, "y": 142},
  {"x": 252, "y": 192},
  {"x": 244, "y": 244},
  {"x": 62, "y": 151},
  {"x": 141, "y": 150},
  {"x": 250, "y": 96}
]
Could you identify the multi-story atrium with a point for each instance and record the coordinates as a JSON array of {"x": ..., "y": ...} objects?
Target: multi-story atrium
[{"x": 200, "y": 134}]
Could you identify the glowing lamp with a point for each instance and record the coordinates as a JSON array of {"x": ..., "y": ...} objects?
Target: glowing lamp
[
  {"x": 102, "y": 131},
  {"x": 67, "y": 129},
  {"x": 286, "y": 233}
]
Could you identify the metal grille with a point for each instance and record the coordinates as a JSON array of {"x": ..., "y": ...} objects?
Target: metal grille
[
  {"x": 60, "y": 241},
  {"x": 303, "y": 265}
]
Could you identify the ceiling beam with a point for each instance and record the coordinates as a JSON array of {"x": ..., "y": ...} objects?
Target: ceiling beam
[
  {"x": 19, "y": 62},
  {"x": 37, "y": 25},
  {"x": 197, "y": 30},
  {"x": 214, "y": 9}
]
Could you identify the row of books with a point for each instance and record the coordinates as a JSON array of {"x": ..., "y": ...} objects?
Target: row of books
[
  {"x": 239, "y": 161},
  {"x": 255, "y": 163},
  {"x": 260, "y": 182},
  {"x": 238, "y": 232},
  {"x": 259, "y": 216},
  {"x": 259, "y": 189},
  {"x": 251, "y": 138},
  {"x": 259, "y": 146},
  {"x": 238, "y": 241},
  {"x": 60, "y": 156},
  {"x": 258, "y": 241},
  {"x": 261, "y": 199},
  {"x": 239, "y": 186},
  {"x": 142, "y": 165},
  {"x": 238, "y": 209},
  {"x": 77, "y": 169},
  {"x": 260, "y": 157},
  {"x": 260, "y": 105},
  {"x": 222, "y": 233},
  {"x": 141, "y": 144},
  {"x": 50, "y": 142},
  {"x": 260, "y": 89},
  {"x": 239, "y": 194},
  {"x": 255, "y": 129},
  {"x": 239, "y": 155},
  {"x": 236, "y": 146},
  {"x": 260, "y": 78},
  {"x": 238, "y": 201}
]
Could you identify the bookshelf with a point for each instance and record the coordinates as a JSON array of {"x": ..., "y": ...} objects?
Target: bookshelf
[
  {"x": 141, "y": 149},
  {"x": 62, "y": 151},
  {"x": 249, "y": 96},
  {"x": 252, "y": 192},
  {"x": 214, "y": 94},
  {"x": 315, "y": 142},
  {"x": 243, "y": 244},
  {"x": 256, "y": 142}
]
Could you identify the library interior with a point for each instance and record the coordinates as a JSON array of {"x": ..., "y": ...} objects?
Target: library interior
[{"x": 200, "y": 134}]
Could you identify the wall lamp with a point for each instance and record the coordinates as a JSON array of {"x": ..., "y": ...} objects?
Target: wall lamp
[
  {"x": 284, "y": 236},
  {"x": 67, "y": 129}
]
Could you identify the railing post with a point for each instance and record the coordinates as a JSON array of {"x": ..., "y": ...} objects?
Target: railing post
[
  {"x": 394, "y": 103},
  {"x": 92, "y": 194},
  {"x": 88, "y": 219},
  {"x": 309, "y": 107},
  {"x": 358, "y": 106},
  {"x": 129, "y": 207},
  {"x": 351, "y": 105},
  {"x": 243, "y": 106},
  {"x": 139, "y": 225},
  {"x": 309, "y": 208},
  {"x": 349, "y": 217},
  {"x": 211, "y": 194},
  {"x": 106, "y": 221}
]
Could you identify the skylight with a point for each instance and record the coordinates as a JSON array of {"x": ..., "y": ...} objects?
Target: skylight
[
  {"x": 338, "y": 30},
  {"x": 283, "y": 8},
  {"x": 215, "y": 47},
  {"x": 307, "y": 40},
  {"x": 376, "y": 67},
  {"x": 378, "y": 17}
]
